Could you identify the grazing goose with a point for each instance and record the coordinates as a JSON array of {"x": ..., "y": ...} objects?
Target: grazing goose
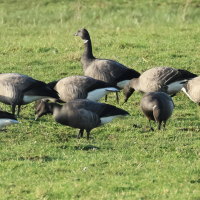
[
  {"x": 83, "y": 114},
  {"x": 103, "y": 69},
  {"x": 158, "y": 79},
  {"x": 81, "y": 87},
  {"x": 7, "y": 119},
  {"x": 19, "y": 89},
  {"x": 192, "y": 89},
  {"x": 157, "y": 106}
]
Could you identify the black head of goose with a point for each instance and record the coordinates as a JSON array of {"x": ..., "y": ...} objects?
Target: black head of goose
[
  {"x": 192, "y": 89},
  {"x": 81, "y": 87},
  {"x": 19, "y": 89},
  {"x": 157, "y": 106},
  {"x": 7, "y": 119},
  {"x": 103, "y": 69},
  {"x": 85, "y": 114},
  {"x": 41, "y": 108},
  {"x": 159, "y": 79}
]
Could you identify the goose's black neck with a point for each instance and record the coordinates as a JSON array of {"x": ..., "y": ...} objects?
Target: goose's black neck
[{"x": 87, "y": 56}]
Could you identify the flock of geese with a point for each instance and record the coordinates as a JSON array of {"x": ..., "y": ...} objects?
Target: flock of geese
[{"x": 82, "y": 93}]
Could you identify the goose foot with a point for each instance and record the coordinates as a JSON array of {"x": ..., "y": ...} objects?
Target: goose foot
[
  {"x": 80, "y": 134},
  {"x": 4, "y": 130},
  {"x": 151, "y": 129}
]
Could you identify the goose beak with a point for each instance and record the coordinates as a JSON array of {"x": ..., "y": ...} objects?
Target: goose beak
[
  {"x": 125, "y": 101},
  {"x": 75, "y": 34},
  {"x": 36, "y": 117}
]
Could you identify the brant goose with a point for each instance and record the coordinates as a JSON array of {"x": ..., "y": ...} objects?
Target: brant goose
[
  {"x": 158, "y": 79},
  {"x": 19, "y": 89},
  {"x": 81, "y": 87},
  {"x": 103, "y": 69},
  {"x": 83, "y": 114},
  {"x": 157, "y": 106}
]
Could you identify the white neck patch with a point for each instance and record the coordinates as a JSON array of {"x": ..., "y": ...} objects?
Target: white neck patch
[
  {"x": 85, "y": 41},
  {"x": 154, "y": 107}
]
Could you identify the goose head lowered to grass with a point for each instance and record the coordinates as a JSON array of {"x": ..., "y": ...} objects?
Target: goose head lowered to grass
[
  {"x": 159, "y": 79},
  {"x": 19, "y": 89},
  {"x": 83, "y": 114},
  {"x": 103, "y": 69},
  {"x": 157, "y": 106},
  {"x": 192, "y": 89}
]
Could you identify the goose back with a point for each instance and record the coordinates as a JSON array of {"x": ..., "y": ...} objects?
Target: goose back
[{"x": 81, "y": 87}]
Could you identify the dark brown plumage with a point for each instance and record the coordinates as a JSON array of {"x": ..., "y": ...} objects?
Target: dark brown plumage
[
  {"x": 159, "y": 79},
  {"x": 19, "y": 89},
  {"x": 83, "y": 114},
  {"x": 157, "y": 106},
  {"x": 103, "y": 69}
]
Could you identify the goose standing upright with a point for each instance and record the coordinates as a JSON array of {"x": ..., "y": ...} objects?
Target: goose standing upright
[
  {"x": 159, "y": 79},
  {"x": 103, "y": 69},
  {"x": 19, "y": 89},
  {"x": 83, "y": 114},
  {"x": 157, "y": 106}
]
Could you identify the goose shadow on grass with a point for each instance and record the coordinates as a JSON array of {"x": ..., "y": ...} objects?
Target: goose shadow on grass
[{"x": 86, "y": 148}]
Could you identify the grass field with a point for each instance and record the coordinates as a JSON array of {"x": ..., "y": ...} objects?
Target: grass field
[{"x": 44, "y": 160}]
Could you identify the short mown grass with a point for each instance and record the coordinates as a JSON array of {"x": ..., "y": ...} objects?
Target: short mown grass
[{"x": 44, "y": 160}]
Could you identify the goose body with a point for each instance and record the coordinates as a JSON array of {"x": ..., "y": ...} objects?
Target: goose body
[
  {"x": 7, "y": 119},
  {"x": 103, "y": 69},
  {"x": 158, "y": 79},
  {"x": 192, "y": 89},
  {"x": 19, "y": 89},
  {"x": 81, "y": 87},
  {"x": 84, "y": 114},
  {"x": 157, "y": 106}
]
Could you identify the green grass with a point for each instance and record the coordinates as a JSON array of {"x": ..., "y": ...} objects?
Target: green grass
[{"x": 44, "y": 160}]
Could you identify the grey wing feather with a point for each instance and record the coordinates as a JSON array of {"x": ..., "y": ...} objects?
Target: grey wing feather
[{"x": 83, "y": 119}]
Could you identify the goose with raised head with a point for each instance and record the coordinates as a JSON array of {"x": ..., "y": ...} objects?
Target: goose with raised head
[
  {"x": 83, "y": 114},
  {"x": 192, "y": 89},
  {"x": 103, "y": 69},
  {"x": 81, "y": 87},
  {"x": 159, "y": 79},
  {"x": 7, "y": 119},
  {"x": 157, "y": 106},
  {"x": 19, "y": 89}
]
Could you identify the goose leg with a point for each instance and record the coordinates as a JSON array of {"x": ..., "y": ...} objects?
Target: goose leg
[
  {"x": 151, "y": 129},
  {"x": 106, "y": 98},
  {"x": 172, "y": 95},
  {"x": 88, "y": 134},
  {"x": 19, "y": 106},
  {"x": 159, "y": 124},
  {"x": 164, "y": 123},
  {"x": 117, "y": 98},
  {"x": 80, "y": 134},
  {"x": 13, "y": 109}
]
